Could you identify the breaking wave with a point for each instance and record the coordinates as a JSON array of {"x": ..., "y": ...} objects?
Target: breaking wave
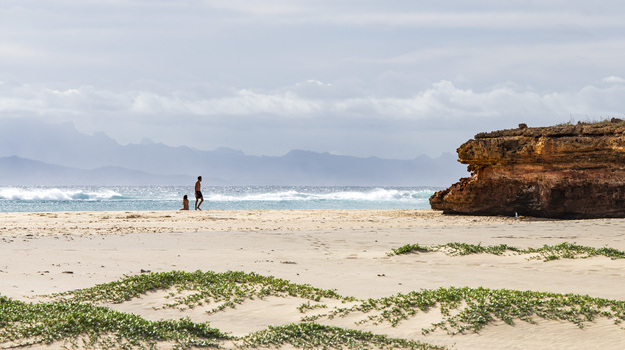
[
  {"x": 56, "y": 194},
  {"x": 371, "y": 195},
  {"x": 115, "y": 198}
]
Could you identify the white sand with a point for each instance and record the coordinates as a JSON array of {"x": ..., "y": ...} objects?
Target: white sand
[{"x": 344, "y": 250}]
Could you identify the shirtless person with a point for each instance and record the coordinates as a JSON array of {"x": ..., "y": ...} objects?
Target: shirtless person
[{"x": 198, "y": 193}]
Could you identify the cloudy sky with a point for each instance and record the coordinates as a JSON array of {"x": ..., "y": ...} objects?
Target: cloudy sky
[{"x": 393, "y": 78}]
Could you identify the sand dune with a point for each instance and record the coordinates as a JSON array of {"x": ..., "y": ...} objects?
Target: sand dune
[{"x": 343, "y": 250}]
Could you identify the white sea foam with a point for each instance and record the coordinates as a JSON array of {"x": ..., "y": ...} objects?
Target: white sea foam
[
  {"x": 97, "y": 198},
  {"x": 55, "y": 194},
  {"x": 373, "y": 195}
]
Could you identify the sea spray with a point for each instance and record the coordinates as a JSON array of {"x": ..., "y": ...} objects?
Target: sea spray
[
  {"x": 140, "y": 198},
  {"x": 55, "y": 194}
]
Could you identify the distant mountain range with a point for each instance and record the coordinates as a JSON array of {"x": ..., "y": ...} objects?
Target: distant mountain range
[
  {"x": 18, "y": 171},
  {"x": 36, "y": 153}
]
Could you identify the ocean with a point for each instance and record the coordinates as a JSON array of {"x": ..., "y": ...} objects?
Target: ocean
[{"x": 148, "y": 198}]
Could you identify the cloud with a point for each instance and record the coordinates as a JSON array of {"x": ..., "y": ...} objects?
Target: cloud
[
  {"x": 243, "y": 102},
  {"x": 434, "y": 120},
  {"x": 442, "y": 100},
  {"x": 614, "y": 79},
  {"x": 483, "y": 19},
  {"x": 266, "y": 8},
  {"x": 320, "y": 75},
  {"x": 17, "y": 51}
]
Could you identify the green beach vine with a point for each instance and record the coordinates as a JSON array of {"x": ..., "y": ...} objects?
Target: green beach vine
[
  {"x": 75, "y": 319},
  {"x": 546, "y": 253}
]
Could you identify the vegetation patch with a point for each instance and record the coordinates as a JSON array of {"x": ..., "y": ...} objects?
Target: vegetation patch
[
  {"x": 73, "y": 318},
  {"x": 316, "y": 336},
  {"x": 546, "y": 253},
  {"x": 25, "y": 324},
  {"x": 228, "y": 288},
  {"x": 471, "y": 309}
]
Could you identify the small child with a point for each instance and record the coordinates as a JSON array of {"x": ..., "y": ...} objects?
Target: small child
[{"x": 185, "y": 203}]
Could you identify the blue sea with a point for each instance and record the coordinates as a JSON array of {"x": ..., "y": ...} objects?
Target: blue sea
[{"x": 147, "y": 198}]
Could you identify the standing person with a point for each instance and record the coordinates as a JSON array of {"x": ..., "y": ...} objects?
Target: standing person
[{"x": 198, "y": 193}]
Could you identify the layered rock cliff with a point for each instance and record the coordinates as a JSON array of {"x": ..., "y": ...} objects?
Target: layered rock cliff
[{"x": 567, "y": 171}]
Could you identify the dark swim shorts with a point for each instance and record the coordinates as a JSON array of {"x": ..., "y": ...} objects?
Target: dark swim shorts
[{"x": 198, "y": 194}]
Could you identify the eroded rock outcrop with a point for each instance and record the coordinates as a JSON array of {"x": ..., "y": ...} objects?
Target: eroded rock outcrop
[{"x": 568, "y": 171}]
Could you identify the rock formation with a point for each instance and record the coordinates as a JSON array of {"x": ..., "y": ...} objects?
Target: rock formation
[{"x": 564, "y": 171}]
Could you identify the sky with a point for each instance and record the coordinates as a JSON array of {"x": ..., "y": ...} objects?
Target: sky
[{"x": 392, "y": 79}]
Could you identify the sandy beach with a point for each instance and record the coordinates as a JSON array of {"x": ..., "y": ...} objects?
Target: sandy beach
[{"x": 343, "y": 250}]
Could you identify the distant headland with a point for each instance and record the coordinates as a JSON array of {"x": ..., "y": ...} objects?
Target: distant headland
[{"x": 568, "y": 171}]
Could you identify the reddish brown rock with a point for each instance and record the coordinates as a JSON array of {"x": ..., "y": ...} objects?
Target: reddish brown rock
[{"x": 568, "y": 171}]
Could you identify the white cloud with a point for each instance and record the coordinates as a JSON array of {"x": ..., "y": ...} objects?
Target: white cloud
[
  {"x": 494, "y": 19},
  {"x": 532, "y": 61},
  {"x": 243, "y": 102},
  {"x": 396, "y": 71},
  {"x": 442, "y": 100},
  {"x": 614, "y": 79},
  {"x": 18, "y": 51},
  {"x": 265, "y": 8},
  {"x": 434, "y": 120}
]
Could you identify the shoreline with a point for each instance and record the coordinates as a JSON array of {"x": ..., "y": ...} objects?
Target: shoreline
[{"x": 113, "y": 222}]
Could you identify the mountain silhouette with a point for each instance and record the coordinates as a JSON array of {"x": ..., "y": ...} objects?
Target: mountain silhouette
[{"x": 34, "y": 153}]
